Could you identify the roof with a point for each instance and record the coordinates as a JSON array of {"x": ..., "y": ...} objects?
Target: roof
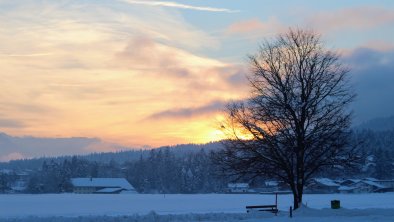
[
  {"x": 373, "y": 184},
  {"x": 102, "y": 182},
  {"x": 271, "y": 183},
  {"x": 385, "y": 180},
  {"x": 351, "y": 180},
  {"x": 326, "y": 182},
  {"x": 345, "y": 188},
  {"x": 6, "y": 171}
]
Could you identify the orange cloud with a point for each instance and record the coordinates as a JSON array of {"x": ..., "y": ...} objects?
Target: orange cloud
[
  {"x": 246, "y": 26},
  {"x": 11, "y": 156},
  {"x": 177, "y": 113},
  {"x": 70, "y": 74},
  {"x": 360, "y": 18},
  {"x": 256, "y": 27}
]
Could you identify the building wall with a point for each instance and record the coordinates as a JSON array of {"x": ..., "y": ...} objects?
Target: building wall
[
  {"x": 386, "y": 183},
  {"x": 363, "y": 188},
  {"x": 83, "y": 190},
  {"x": 318, "y": 188}
]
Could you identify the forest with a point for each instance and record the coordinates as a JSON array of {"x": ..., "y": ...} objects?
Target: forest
[{"x": 178, "y": 169}]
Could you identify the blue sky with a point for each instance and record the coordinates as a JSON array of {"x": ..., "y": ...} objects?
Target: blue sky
[{"x": 118, "y": 69}]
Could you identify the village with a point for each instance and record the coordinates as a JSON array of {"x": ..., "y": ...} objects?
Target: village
[
  {"x": 319, "y": 186},
  {"x": 121, "y": 185}
]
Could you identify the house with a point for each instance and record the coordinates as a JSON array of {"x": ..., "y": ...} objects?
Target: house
[
  {"x": 20, "y": 184},
  {"x": 349, "y": 182},
  {"x": 368, "y": 186},
  {"x": 16, "y": 181},
  {"x": 270, "y": 186},
  {"x": 101, "y": 185},
  {"x": 387, "y": 183},
  {"x": 322, "y": 185},
  {"x": 346, "y": 189},
  {"x": 271, "y": 183},
  {"x": 237, "y": 188},
  {"x": 346, "y": 185}
]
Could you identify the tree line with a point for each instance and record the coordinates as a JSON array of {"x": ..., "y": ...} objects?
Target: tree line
[
  {"x": 169, "y": 170},
  {"x": 161, "y": 171}
]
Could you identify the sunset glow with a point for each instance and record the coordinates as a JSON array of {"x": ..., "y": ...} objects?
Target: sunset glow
[{"x": 151, "y": 73}]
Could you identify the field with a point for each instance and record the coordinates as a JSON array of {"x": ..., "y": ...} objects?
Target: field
[{"x": 199, "y": 207}]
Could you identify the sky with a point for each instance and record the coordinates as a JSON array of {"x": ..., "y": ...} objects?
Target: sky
[{"x": 147, "y": 72}]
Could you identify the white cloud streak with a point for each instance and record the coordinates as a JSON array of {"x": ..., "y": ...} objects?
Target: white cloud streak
[
  {"x": 26, "y": 55},
  {"x": 179, "y": 5}
]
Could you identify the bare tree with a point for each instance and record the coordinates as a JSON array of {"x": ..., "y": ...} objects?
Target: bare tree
[{"x": 296, "y": 121}]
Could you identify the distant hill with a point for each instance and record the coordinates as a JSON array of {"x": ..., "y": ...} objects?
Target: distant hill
[
  {"x": 15, "y": 147},
  {"x": 378, "y": 124},
  {"x": 119, "y": 156}
]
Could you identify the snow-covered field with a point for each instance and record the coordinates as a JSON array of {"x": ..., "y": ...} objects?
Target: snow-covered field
[{"x": 199, "y": 207}]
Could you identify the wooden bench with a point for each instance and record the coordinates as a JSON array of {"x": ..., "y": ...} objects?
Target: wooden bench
[{"x": 269, "y": 208}]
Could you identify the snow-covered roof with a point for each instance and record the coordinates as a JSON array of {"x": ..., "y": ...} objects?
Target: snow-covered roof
[
  {"x": 102, "y": 182},
  {"x": 18, "y": 188},
  {"x": 271, "y": 183},
  {"x": 238, "y": 185},
  {"x": 339, "y": 181},
  {"x": 373, "y": 184},
  {"x": 345, "y": 188},
  {"x": 6, "y": 171},
  {"x": 384, "y": 180},
  {"x": 326, "y": 182}
]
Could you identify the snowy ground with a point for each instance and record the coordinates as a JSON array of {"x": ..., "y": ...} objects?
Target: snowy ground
[{"x": 201, "y": 207}]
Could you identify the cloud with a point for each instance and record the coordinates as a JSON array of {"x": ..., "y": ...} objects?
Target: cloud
[
  {"x": 26, "y": 55},
  {"x": 247, "y": 26},
  {"x": 102, "y": 146},
  {"x": 179, "y": 5},
  {"x": 372, "y": 74},
  {"x": 11, "y": 156},
  {"x": 212, "y": 107},
  {"x": 83, "y": 69},
  {"x": 11, "y": 123},
  {"x": 359, "y": 18},
  {"x": 145, "y": 53},
  {"x": 272, "y": 25},
  {"x": 14, "y": 147},
  {"x": 254, "y": 30}
]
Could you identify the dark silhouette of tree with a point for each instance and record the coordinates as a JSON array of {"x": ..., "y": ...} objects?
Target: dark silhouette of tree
[{"x": 296, "y": 121}]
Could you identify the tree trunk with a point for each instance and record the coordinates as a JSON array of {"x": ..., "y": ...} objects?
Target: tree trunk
[
  {"x": 297, "y": 200},
  {"x": 300, "y": 191},
  {"x": 297, "y": 195}
]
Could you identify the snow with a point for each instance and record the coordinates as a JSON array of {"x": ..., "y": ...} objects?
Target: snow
[
  {"x": 373, "y": 184},
  {"x": 238, "y": 185},
  {"x": 326, "y": 182},
  {"x": 198, "y": 207},
  {"x": 271, "y": 183},
  {"x": 346, "y": 188}
]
